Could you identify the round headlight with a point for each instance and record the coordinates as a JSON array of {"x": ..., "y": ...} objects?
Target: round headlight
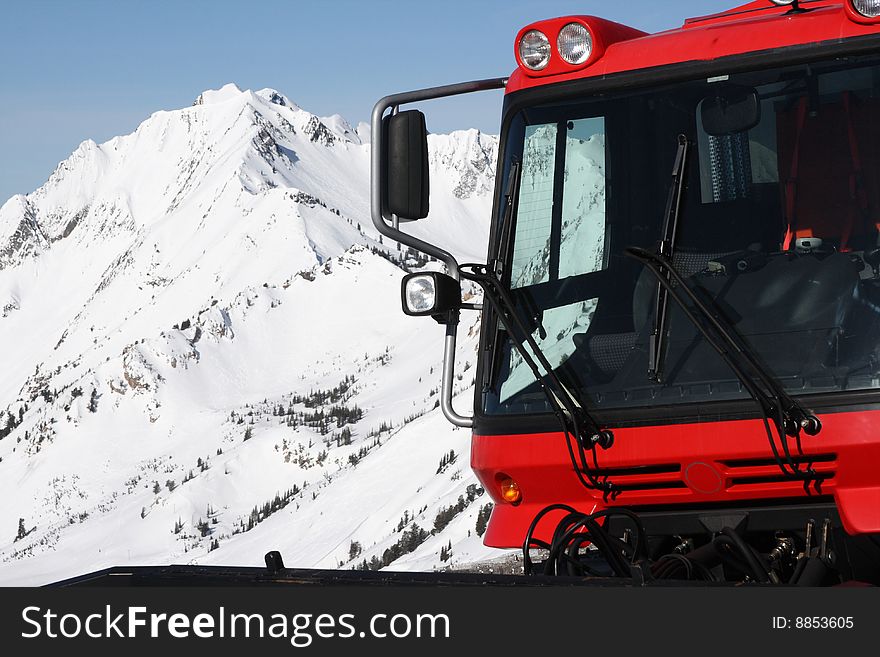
[
  {"x": 534, "y": 50},
  {"x": 867, "y": 8},
  {"x": 420, "y": 294},
  {"x": 782, "y": 2},
  {"x": 575, "y": 43}
]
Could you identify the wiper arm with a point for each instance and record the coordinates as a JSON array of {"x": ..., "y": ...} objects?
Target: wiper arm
[
  {"x": 511, "y": 195},
  {"x": 510, "y": 200},
  {"x": 665, "y": 247},
  {"x": 564, "y": 401},
  {"x": 790, "y": 419}
]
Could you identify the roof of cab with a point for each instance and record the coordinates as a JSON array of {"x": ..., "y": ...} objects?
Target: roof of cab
[{"x": 756, "y": 26}]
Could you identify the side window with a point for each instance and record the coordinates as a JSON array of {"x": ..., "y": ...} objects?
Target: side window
[
  {"x": 560, "y": 232},
  {"x": 582, "y": 242},
  {"x": 560, "y": 218},
  {"x": 534, "y": 212}
]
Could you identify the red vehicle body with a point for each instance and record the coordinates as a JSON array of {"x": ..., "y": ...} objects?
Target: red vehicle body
[{"x": 709, "y": 465}]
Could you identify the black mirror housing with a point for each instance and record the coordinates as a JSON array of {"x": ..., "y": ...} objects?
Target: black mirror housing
[
  {"x": 730, "y": 109},
  {"x": 430, "y": 294},
  {"x": 406, "y": 156}
]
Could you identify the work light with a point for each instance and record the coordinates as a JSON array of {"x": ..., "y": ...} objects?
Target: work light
[
  {"x": 420, "y": 294},
  {"x": 534, "y": 50},
  {"x": 575, "y": 43},
  {"x": 430, "y": 293}
]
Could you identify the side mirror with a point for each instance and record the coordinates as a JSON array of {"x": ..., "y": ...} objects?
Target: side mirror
[
  {"x": 430, "y": 293},
  {"x": 730, "y": 109},
  {"x": 406, "y": 155}
]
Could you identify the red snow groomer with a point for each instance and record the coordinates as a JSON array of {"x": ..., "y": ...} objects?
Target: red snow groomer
[{"x": 679, "y": 364}]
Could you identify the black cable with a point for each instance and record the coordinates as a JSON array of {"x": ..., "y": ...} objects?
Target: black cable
[
  {"x": 566, "y": 551},
  {"x": 728, "y": 553},
  {"x": 529, "y": 541},
  {"x": 670, "y": 564},
  {"x": 759, "y": 570},
  {"x": 798, "y": 570},
  {"x": 667, "y": 566},
  {"x": 576, "y": 529},
  {"x": 707, "y": 575}
]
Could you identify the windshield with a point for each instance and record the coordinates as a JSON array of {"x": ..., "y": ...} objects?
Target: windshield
[{"x": 778, "y": 228}]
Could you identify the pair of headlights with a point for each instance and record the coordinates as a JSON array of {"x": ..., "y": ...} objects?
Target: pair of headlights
[{"x": 574, "y": 45}]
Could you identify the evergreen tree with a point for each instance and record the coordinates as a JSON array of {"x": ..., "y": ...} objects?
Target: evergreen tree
[
  {"x": 483, "y": 519},
  {"x": 93, "y": 401}
]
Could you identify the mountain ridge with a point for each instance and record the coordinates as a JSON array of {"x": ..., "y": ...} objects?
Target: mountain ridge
[{"x": 174, "y": 300}]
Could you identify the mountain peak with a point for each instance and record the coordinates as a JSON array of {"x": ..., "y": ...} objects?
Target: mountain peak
[
  {"x": 276, "y": 98},
  {"x": 160, "y": 285},
  {"x": 221, "y": 95}
]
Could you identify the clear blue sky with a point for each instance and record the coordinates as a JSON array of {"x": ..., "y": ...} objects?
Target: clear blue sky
[{"x": 72, "y": 70}]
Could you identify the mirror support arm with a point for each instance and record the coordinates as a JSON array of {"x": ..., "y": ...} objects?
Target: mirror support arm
[
  {"x": 448, "y": 379},
  {"x": 388, "y": 225}
]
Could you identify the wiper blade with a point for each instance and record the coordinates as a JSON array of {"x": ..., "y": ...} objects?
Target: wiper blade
[
  {"x": 790, "y": 419},
  {"x": 511, "y": 195},
  {"x": 510, "y": 201},
  {"x": 666, "y": 247},
  {"x": 564, "y": 401}
]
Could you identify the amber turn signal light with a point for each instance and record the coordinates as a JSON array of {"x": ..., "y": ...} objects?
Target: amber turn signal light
[{"x": 510, "y": 491}]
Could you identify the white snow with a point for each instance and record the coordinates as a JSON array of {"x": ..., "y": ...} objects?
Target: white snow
[
  {"x": 167, "y": 291},
  {"x": 214, "y": 96}
]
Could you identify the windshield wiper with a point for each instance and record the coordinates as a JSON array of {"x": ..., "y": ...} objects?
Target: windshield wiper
[
  {"x": 565, "y": 402},
  {"x": 567, "y": 406},
  {"x": 510, "y": 200},
  {"x": 665, "y": 248},
  {"x": 788, "y": 416}
]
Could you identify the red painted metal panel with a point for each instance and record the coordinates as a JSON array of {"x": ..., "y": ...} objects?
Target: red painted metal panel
[
  {"x": 753, "y": 27},
  {"x": 712, "y": 462}
]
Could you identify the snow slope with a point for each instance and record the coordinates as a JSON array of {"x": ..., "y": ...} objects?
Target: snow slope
[{"x": 205, "y": 359}]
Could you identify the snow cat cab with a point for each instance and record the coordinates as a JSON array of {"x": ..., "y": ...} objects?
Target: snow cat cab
[{"x": 679, "y": 366}]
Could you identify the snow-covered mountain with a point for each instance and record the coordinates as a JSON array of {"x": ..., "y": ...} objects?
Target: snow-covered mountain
[{"x": 204, "y": 356}]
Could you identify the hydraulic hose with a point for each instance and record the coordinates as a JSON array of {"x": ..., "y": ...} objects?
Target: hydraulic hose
[{"x": 758, "y": 570}]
